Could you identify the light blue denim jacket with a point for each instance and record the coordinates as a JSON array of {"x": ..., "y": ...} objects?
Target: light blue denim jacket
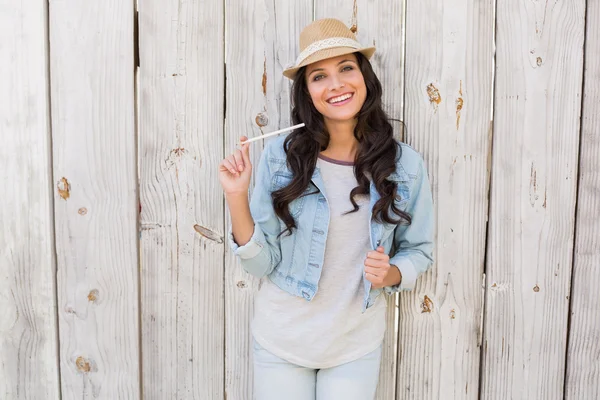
[{"x": 294, "y": 262}]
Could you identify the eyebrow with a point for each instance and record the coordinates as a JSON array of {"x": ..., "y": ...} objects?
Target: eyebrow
[{"x": 322, "y": 69}]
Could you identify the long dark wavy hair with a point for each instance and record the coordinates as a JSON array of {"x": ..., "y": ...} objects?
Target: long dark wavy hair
[{"x": 376, "y": 153}]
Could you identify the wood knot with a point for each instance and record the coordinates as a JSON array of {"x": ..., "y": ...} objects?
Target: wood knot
[
  {"x": 426, "y": 305},
  {"x": 536, "y": 288},
  {"x": 83, "y": 364},
  {"x": 241, "y": 284},
  {"x": 208, "y": 233},
  {"x": 64, "y": 188},
  {"x": 435, "y": 98},
  {"x": 354, "y": 28},
  {"x": 262, "y": 119},
  {"x": 82, "y": 211},
  {"x": 93, "y": 295}
]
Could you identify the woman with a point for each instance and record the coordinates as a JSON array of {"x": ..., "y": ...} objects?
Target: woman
[{"x": 332, "y": 201}]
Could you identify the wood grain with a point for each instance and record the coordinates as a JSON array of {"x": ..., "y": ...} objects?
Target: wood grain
[
  {"x": 181, "y": 105},
  {"x": 449, "y": 54},
  {"x": 583, "y": 355},
  {"x": 94, "y": 154},
  {"x": 539, "y": 64},
  {"x": 28, "y": 331},
  {"x": 262, "y": 39}
]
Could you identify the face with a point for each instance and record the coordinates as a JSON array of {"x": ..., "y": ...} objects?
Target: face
[{"x": 337, "y": 87}]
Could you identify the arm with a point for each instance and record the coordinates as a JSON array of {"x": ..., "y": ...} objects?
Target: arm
[
  {"x": 255, "y": 227},
  {"x": 414, "y": 242}
]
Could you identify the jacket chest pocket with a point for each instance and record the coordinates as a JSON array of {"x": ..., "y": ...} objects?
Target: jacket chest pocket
[{"x": 281, "y": 180}]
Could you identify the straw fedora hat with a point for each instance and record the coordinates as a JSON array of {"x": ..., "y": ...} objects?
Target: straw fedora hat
[{"x": 325, "y": 38}]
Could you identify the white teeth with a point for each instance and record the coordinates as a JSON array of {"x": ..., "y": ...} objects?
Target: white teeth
[{"x": 340, "y": 98}]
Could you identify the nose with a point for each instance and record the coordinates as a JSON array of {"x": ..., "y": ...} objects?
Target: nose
[{"x": 336, "y": 83}]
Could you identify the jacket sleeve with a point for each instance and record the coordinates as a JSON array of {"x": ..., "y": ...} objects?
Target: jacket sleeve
[
  {"x": 262, "y": 253},
  {"x": 414, "y": 242}
]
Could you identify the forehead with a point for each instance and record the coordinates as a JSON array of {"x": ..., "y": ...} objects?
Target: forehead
[{"x": 330, "y": 62}]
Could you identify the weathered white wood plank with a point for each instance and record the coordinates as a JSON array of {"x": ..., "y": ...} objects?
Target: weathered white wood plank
[
  {"x": 182, "y": 231},
  {"x": 262, "y": 38},
  {"x": 379, "y": 24},
  {"x": 28, "y": 340},
  {"x": 583, "y": 356},
  {"x": 449, "y": 55},
  {"x": 539, "y": 63},
  {"x": 94, "y": 154}
]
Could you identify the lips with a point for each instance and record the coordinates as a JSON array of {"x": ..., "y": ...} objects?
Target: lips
[{"x": 340, "y": 99}]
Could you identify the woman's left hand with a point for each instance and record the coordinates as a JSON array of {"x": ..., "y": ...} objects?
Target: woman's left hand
[{"x": 377, "y": 268}]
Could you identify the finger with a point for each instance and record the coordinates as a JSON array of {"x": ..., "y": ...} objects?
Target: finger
[
  {"x": 246, "y": 152},
  {"x": 377, "y": 255},
  {"x": 370, "y": 277},
  {"x": 372, "y": 271},
  {"x": 233, "y": 161},
  {"x": 380, "y": 249},
  {"x": 369, "y": 262},
  {"x": 245, "y": 149},
  {"x": 230, "y": 166},
  {"x": 376, "y": 281},
  {"x": 239, "y": 161}
]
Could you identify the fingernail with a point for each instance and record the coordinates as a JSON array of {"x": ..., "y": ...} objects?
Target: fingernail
[{"x": 241, "y": 167}]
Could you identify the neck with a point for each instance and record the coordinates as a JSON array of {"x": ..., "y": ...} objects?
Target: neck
[{"x": 342, "y": 143}]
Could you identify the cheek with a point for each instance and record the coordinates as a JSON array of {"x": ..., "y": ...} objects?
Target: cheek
[
  {"x": 363, "y": 93},
  {"x": 358, "y": 82},
  {"x": 315, "y": 95}
]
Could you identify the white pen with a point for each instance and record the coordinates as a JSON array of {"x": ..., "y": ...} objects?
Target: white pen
[{"x": 291, "y": 128}]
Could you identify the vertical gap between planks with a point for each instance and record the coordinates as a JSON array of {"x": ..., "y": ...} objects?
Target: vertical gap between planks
[
  {"x": 136, "y": 65},
  {"x": 403, "y": 68},
  {"x": 489, "y": 205},
  {"x": 402, "y": 139},
  {"x": 224, "y": 219},
  {"x": 576, "y": 211},
  {"x": 50, "y": 150}
]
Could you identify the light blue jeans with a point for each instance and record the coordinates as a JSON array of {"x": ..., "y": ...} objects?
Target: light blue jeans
[{"x": 277, "y": 379}]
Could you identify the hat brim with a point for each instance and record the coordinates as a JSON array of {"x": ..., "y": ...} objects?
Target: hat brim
[{"x": 325, "y": 54}]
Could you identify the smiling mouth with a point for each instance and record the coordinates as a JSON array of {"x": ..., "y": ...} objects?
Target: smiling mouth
[{"x": 340, "y": 99}]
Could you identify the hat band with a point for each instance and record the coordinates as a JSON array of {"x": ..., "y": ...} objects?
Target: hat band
[{"x": 327, "y": 44}]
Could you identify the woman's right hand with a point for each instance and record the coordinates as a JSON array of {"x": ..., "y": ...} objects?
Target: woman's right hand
[{"x": 235, "y": 171}]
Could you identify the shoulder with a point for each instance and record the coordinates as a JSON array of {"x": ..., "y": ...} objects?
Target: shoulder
[
  {"x": 274, "y": 148},
  {"x": 409, "y": 161},
  {"x": 273, "y": 157}
]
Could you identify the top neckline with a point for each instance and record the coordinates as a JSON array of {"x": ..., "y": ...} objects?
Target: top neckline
[{"x": 338, "y": 162}]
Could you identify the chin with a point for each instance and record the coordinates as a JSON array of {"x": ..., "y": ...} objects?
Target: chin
[{"x": 343, "y": 117}]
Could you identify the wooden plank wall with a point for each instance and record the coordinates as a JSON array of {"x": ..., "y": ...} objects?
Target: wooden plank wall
[
  {"x": 539, "y": 66},
  {"x": 28, "y": 327},
  {"x": 583, "y": 352},
  {"x": 95, "y": 197},
  {"x": 181, "y": 211},
  {"x": 449, "y": 55},
  {"x": 116, "y": 277},
  {"x": 261, "y": 39}
]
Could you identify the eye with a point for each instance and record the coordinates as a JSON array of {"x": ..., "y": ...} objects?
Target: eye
[
  {"x": 318, "y": 77},
  {"x": 347, "y": 68}
]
